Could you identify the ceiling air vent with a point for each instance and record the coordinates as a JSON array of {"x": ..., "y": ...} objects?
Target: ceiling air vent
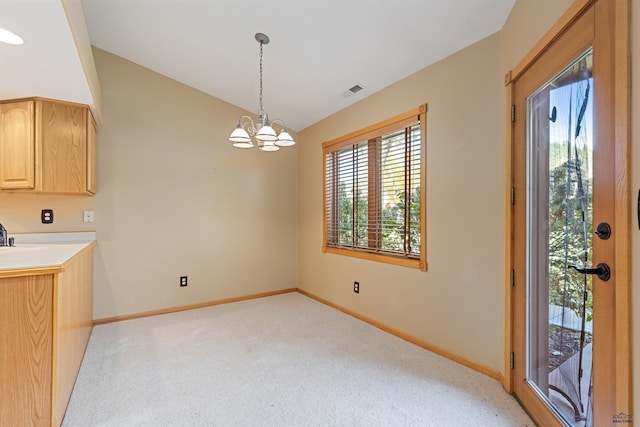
[{"x": 354, "y": 89}]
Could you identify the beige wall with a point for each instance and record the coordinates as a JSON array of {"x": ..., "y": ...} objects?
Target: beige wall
[
  {"x": 174, "y": 198},
  {"x": 458, "y": 304},
  {"x": 528, "y": 21}
]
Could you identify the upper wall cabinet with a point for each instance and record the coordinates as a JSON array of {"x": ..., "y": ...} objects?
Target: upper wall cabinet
[{"x": 47, "y": 146}]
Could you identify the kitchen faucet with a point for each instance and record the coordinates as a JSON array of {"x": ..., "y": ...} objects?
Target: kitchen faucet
[{"x": 3, "y": 236}]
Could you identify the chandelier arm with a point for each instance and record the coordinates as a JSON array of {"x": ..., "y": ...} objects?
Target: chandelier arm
[
  {"x": 279, "y": 123},
  {"x": 248, "y": 125}
]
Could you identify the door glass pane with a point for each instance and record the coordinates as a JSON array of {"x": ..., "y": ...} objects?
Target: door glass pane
[{"x": 559, "y": 207}]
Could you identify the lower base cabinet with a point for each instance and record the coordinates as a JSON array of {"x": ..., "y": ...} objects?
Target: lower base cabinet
[{"x": 45, "y": 323}]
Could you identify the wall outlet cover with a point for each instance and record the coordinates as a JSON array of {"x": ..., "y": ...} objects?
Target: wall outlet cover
[{"x": 47, "y": 216}]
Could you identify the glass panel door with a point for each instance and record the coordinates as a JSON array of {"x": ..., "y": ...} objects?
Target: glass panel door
[{"x": 559, "y": 230}]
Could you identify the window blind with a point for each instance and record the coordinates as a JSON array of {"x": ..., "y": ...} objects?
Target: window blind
[{"x": 373, "y": 193}]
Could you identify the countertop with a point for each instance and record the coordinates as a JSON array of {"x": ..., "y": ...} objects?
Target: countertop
[{"x": 42, "y": 253}]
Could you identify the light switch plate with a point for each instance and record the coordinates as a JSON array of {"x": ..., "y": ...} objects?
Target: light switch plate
[{"x": 88, "y": 216}]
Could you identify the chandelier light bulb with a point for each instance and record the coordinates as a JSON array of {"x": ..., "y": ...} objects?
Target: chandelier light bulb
[
  {"x": 266, "y": 133},
  {"x": 269, "y": 146},
  {"x": 239, "y": 135},
  {"x": 285, "y": 139},
  {"x": 243, "y": 144}
]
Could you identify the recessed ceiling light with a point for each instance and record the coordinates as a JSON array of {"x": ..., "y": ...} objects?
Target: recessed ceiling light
[{"x": 8, "y": 37}]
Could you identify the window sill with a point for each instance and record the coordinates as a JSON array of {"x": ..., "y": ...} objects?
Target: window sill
[{"x": 388, "y": 259}]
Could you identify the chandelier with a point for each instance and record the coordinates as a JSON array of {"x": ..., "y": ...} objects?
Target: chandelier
[{"x": 244, "y": 134}]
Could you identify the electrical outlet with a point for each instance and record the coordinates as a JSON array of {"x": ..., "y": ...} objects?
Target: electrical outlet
[
  {"x": 356, "y": 287},
  {"x": 46, "y": 216},
  {"x": 183, "y": 281}
]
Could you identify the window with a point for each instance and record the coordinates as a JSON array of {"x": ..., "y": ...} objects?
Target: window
[{"x": 374, "y": 192}]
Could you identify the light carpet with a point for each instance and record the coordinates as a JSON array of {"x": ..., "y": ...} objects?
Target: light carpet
[{"x": 285, "y": 360}]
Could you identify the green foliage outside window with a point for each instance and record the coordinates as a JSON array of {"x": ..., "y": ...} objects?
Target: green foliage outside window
[
  {"x": 393, "y": 218},
  {"x": 567, "y": 239}
]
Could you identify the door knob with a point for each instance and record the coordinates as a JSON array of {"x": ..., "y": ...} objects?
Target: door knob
[{"x": 602, "y": 271}]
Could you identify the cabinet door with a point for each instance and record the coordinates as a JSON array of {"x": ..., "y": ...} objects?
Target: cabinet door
[
  {"x": 26, "y": 334},
  {"x": 17, "y": 146},
  {"x": 64, "y": 148},
  {"x": 92, "y": 154}
]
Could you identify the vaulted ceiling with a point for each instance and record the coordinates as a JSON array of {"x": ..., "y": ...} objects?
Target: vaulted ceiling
[{"x": 318, "y": 49}]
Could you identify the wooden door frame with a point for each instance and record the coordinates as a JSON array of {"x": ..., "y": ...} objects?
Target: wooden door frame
[{"x": 614, "y": 18}]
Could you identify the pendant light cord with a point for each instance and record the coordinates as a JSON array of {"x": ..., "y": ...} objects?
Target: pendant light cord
[{"x": 261, "y": 110}]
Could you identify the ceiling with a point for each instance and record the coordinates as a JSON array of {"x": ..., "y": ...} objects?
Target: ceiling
[
  {"x": 318, "y": 49},
  {"x": 47, "y": 64}
]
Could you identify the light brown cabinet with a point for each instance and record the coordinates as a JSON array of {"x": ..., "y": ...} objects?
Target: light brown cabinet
[
  {"x": 47, "y": 146},
  {"x": 45, "y": 321}
]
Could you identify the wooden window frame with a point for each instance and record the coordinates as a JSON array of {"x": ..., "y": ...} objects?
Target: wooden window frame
[{"x": 369, "y": 133}]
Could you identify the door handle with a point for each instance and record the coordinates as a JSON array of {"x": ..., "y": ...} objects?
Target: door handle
[{"x": 602, "y": 271}]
